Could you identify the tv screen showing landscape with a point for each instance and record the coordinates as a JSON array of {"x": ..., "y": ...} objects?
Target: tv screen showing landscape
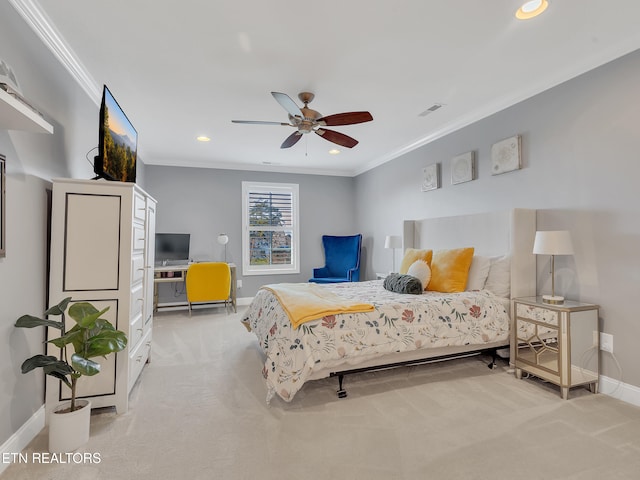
[{"x": 118, "y": 141}]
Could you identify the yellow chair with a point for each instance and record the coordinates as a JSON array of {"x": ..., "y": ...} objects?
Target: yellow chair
[{"x": 208, "y": 282}]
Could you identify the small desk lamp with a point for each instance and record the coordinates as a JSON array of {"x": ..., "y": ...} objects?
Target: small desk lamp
[
  {"x": 555, "y": 242},
  {"x": 393, "y": 242},
  {"x": 223, "y": 239}
]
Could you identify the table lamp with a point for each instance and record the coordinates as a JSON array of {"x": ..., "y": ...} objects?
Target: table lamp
[
  {"x": 554, "y": 242},
  {"x": 393, "y": 242},
  {"x": 223, "y": 239}
]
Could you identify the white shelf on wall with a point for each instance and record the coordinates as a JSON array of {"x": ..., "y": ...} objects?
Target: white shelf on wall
[{"x": 15, "y": 115}]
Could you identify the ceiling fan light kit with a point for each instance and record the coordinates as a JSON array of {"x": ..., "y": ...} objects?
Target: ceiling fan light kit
[{"x": 306, "y": 120}]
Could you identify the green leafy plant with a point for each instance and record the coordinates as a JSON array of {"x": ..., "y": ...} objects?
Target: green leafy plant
[{"x": 91, "y": 336}]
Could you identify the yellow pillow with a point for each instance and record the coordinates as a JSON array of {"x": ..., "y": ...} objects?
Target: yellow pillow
[
  {"x": 450, "y": 269},
  {"x": 413, "y": 254}
]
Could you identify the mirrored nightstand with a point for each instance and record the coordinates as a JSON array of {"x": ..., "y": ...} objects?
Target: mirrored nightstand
[{"x": 558, "y": 343}]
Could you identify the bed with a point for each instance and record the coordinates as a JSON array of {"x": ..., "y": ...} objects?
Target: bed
[{"x": 401, "y": 328}]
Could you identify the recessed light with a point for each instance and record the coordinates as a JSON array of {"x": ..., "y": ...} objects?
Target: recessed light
[
  {"x": 531, "y": 9},
  {"x": 203, "y": 138},
  {"x": 334, "y": 151}
]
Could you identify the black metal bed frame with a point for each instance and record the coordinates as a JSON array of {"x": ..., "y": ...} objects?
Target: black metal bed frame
[{"x": 342, "y": 393}]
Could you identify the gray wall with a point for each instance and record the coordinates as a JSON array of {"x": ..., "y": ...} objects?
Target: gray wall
[
  {"x": 581, "y": 171},
  {"x": 33, "y": 159},
  {"x": 206, "y": 202}
]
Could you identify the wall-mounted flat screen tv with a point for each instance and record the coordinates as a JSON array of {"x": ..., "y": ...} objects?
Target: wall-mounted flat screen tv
[
  {"x": 118, "y": 143},
  {"x": 172, "y": 247}
]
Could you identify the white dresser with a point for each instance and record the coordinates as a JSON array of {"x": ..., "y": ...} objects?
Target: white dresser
[{"x": 102, "y": 252}]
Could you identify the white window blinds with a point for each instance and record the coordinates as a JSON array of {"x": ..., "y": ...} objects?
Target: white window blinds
[{"x": 270, "y": 228}]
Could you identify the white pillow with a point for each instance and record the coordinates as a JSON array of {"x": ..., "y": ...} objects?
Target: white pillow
[
  {"x": 478, "y": 272},
  {"x": 421, "y": 270},
  {"x": 499, "y": 278}
]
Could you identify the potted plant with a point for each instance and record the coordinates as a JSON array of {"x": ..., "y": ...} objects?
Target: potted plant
[{"x": 92, "y": 336}]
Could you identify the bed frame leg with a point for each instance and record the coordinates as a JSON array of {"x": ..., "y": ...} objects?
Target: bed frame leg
[
  {"x": 342, "y": 393},
  {"x": 492, "y": 364}
]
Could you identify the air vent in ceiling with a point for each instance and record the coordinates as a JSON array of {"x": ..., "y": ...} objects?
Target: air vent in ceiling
[{"x": 431, "y": 109}]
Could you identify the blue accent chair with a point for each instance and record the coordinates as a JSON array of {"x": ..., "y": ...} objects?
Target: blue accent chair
[{"x": 342, "y": 260}]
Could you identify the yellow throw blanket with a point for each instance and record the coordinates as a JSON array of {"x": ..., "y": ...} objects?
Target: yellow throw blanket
[{"x": 304, "y": 302}]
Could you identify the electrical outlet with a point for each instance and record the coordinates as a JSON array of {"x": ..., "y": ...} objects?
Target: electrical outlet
[
  {"x": 606, "y": 342},
  {"x": 239, "y": 283}
]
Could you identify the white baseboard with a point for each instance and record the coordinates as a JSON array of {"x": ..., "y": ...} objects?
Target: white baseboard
[
  {"x": 243, "y": 300},
  {"x": 622, "y": 391},
  {"x": 19, "y": 440}
]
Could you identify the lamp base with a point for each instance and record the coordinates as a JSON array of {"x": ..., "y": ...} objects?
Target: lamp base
[{"x": 553, "y": 299}]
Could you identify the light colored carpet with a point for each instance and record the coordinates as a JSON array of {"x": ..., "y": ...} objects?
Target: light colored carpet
[{"x": 199, "y": 412}]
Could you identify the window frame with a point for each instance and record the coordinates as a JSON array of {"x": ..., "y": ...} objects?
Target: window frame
[{"x": 270, "y": 187}]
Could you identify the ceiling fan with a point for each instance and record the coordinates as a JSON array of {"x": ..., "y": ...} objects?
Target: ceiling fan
[{"x": 306, "y": 120}]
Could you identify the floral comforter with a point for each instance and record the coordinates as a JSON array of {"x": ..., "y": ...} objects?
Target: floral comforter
[{"x": 398, "y": 323}]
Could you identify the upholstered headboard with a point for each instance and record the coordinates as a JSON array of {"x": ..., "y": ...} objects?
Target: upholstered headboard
[{"x": 495, "y": 233}]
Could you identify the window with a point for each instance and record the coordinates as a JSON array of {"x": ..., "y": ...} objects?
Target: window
[{"x": 270, "y": 234}]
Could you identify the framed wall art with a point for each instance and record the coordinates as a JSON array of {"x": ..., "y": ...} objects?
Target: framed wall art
[
  {"x": 431, "y": 177},
  {"x": 505, "y": 155},
  {"x": 463, "y": 168},
  {"x": 3, "y": 250}
]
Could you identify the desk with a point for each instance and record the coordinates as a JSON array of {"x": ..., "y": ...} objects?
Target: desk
[{"x": 177, "y": 273}]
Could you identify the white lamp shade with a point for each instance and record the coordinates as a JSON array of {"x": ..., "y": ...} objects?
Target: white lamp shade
[
  {"x": 393, "y": 241},
  {"x": 553, "y": 242},
  {"x": 223, "y": 239}
]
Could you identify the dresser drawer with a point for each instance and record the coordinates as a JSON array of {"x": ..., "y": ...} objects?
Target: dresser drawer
[
  {"x": 136, "y": 331},
  {"x": 138, "y": 238},
  {"x": 139, "y": 207},
  {"x": 137, "y": 300},
  {"x": 137, "y": 358},
  {"x": 137, "y": 268}
]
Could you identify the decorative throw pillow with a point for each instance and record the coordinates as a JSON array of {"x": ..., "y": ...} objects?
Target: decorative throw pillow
[
  {"x": 421, "y": 270},
  {"x": 413, "y": 254},
  {"x": 478, "y": 272},
  {"x": 499, "y": 278},
  {"x": 399, "y": 283},
  {"x": 450, "y": 269}
]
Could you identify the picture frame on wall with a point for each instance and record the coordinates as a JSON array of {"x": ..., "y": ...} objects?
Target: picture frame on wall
[
  {"x": 3, "y": 249},
  {"x": 431, "y": 177},
  {"x": 463, "y": 168},
  {"x": 506, "y": 155}
]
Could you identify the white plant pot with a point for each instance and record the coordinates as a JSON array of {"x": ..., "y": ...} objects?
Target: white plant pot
[{"x": 69, "y": 431}]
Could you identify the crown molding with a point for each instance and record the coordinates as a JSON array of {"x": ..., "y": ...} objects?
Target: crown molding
[
  {"x": 199, "y": 163},
  {"x": 35, "y": 17}
]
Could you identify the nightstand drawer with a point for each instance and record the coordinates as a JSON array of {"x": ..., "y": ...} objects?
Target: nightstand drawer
[
  {"x": 541, "y": 355},
  {"x": 539, "y": 314},
  {"x": 527, "y": 331}
]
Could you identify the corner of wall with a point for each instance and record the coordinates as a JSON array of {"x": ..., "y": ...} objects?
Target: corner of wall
[{"x": 25, "y": 434}]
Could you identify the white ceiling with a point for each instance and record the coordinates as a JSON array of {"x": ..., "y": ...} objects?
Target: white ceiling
[{"x": 183, "y": 69}]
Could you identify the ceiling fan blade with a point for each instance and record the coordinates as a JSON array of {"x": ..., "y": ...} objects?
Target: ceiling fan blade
[
  {"x": 291, "y": 140},
  {"x": 288, "y": 104},
  {"x": 347, "y": 118},
  {"x": 258, "y": 122},
  {"x": 337, "y": 137}
]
